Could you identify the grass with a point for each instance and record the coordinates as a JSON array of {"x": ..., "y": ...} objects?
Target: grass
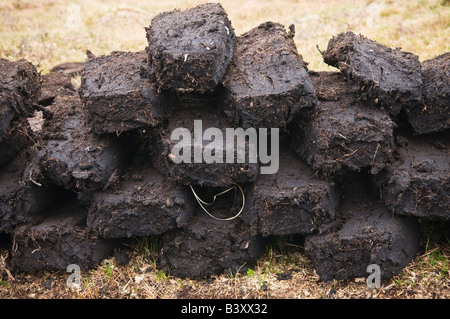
[{"x": 50, "y": 32}]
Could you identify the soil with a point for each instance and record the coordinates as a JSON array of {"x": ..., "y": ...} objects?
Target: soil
[
  {"x": 267, "y": 83},
  {"x": 191, "y": 49},
  {"x": 340, "y": 135},
  {"x": 433, "y": 114},
  {"x": 117, "y": 94},
  {"x": 206, "y": 246},
  {"x": 292, "y": 201},
  {"x": 143, "y": 203},
  {"x": 58, "y": 241},
  {"x": 19, "y": 88},
  {"x": 51, "y": 83},
  {"x": 418, "y": 182},
  {"x": 18, "y": 137},
  {"x": 369, "y": 234},
  {"x": 381, "y": 77},
  {"x": 70, "y": 156},
  {"x": 7, "y": 114},
  {"x": 212, "y": 175}
]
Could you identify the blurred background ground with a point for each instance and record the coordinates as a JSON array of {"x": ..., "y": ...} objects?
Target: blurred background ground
[{"x": 50, "y": 32}]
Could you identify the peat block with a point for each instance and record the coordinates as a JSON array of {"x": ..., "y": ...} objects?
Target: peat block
[
  {"x": 434, "y": 114},
  {"x": 202, "y": 173},
  {"x": 191, "y": 49},
  {"x": 341, "y": 135},
  {"x": 19, "y": 88},
  {"x": 70, "y": 69},
  {"x": 292, "y": 201},
  {"x": 206, "y": 246},
  {"x": 7, "y": 114},
  {"x": 61, "y": 239},
  {"x": 70, "y": 156},
  {"x": 117, "y": 95},
  {"x": 144, "y": 203},
  {"x": 51, "y": 84},
  {"x": 371, "y": 236},
  {"x": 379, "y": 76},
  {"x": 418, "y": 182},
  {"x": 267, "y": 83},
  {"x": 18, "y": 201}
]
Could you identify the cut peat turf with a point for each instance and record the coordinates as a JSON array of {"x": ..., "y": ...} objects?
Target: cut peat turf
[
  {"x": 292, "y": 201},
  {"x": 117, "y": 94},
  {"x": 341, "y": 135},
  {"x": 59, "y": 240},
  {"x": 381, "y": 77},
  {"x": 51, "y": 84},
  {"x": 208, "y": 247},
  {"x": 19, "y": 87},
  {"x": 143, "y": 203},
  {"x": 372, "y": 235},
  {"x": 18, "y": 137},
  {"x": 418, "y": 182},
  {"x": 267, "y": 83},
  {"x": 70, "y": 156},
  {"x": 19, "y": 93},
  {"x": 170, "y": 150},
  {"x": 191, "y": 49},
  {"x": 434, "y": 114}
]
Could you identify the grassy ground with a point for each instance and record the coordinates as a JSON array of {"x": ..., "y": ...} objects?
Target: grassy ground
[
  {"x": 49, "y": 32},
  {"x": 283, "y": 272}
]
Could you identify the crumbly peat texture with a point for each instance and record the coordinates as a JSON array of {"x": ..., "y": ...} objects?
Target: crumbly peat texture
[
  {"x": 61, "y": 239},
  {"x": 191, "y": 49},
  {"x": 418, "y": 182},
  {"x": 203, "y": 174},
  {"x": 292, "y": 201},
  {"x": 433, "y": 115},
  {"x": 117, "y": 95},
  {"x": 69, "y": 155},
  {"x": 144, "y": 203},
  {"x": 340, "y": 135}
]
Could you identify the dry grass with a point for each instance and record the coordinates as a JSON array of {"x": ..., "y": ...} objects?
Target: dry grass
[
  {"x": 54, "y": 31},
  {"x": 284, "y": 272},
  {"x": 49, "y": 32}
]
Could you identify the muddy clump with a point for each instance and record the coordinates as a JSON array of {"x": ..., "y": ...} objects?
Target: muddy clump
[
  {"x": 143, "y": 203},
  {"x": 117, "y": 94},
  {"x": 174, "y": 141},
  {"x": 51, "y": 84},
  {"x": 292, "y": 201},
  {"x": 58, "y": 241},
  {"x": 380, "y": 76},
  {"x": 340, "y": 135},
  {"x": 267, "y": 83},
  {"x": 418, "y": 182},
  {"x": 69, "y": 155},
  {"x": 191, "y": 49},
  {"x": 433, "y": 114},
  {"x": 183, "y": 157},
  {"x": 206, "y": 246}
]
